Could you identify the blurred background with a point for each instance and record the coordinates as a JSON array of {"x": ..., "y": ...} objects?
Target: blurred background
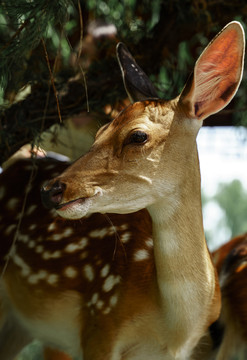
[
  {"x": 60, "y": 81},
  {"x": 223, "y": 158}
]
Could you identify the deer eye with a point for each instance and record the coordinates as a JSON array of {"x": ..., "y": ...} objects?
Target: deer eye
[{"x": 137, "y": 137}]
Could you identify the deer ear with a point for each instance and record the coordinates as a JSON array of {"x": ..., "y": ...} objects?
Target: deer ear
[
  {"x": 137, "y": 84},
  {"x": 217, "y": 74}
]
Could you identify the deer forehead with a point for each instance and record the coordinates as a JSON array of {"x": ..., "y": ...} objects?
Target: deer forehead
[{"x": 145, "y": 115}]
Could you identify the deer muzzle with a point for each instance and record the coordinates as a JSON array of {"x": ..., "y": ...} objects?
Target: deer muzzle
[{"x": 52, "y": 194}]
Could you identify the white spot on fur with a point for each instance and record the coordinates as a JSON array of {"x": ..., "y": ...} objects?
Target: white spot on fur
[
  {"x": 113, "y": 300},
  {"x": 149, "y": 242},
  {"x": 106, "y": 311},
  {"x": 42, "y": 274},
  {"x": 56, "y": 237},
  {"x": 95, "y": 298},
  {"x": 71, "y": 247},
  {"x": 68, "y": 232},
  {"x": 83, "y": 243},
  {"x": 88, "y": 272},
  {"x": 25, "y": 269},
  {"x": 35, "y": 278},
  {"x": 125, "y": 237},
  {"x": 80, "y": 245},
  {"x": 51, "y": 227},
  {"x": 105, "y": 270},
  {"x": 57, "y": 254},
  {"x": 70, "y": 272},
  {"x": 31, "y": 244},
  {"x": 47, "y": 255},
  {"x": 52, "y": 279},
  {"x": 123, "y": 227},
  {"x": 99, "y": 233},
  {"x": 141, "y": 255},
  {"x": 110, "y": 282},
  {"x": 99, "y": 305}
]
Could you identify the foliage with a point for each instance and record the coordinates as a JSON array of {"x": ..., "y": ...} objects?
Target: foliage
[
  {"x": 232, "y": 198},
  {"x": 122, "y": 13},
  {"x": 172, "y": 28},
  {"x": 23, "y": 25},
  {"x": 227, "y": 210},
  {"x": 40, "y": 38}
]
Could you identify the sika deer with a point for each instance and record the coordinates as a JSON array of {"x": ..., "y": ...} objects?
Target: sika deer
[
  {"x": 147, "y": 157},
  {"x": 96, "y": 286}
]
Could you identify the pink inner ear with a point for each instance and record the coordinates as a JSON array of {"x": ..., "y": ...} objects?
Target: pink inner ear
[{"x": 217, "y": 73}]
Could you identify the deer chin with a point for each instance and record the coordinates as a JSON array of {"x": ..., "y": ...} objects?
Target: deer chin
[{"x": 75, "y": 209}]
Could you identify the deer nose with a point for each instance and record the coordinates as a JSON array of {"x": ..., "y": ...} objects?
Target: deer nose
[{"x": 52, "y": 195}]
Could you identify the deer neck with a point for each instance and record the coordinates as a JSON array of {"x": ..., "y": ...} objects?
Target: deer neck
[{"x": 185, "y": 274}]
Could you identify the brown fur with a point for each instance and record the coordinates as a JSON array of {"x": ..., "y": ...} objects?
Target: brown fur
[{"x": 121, "y": 298}]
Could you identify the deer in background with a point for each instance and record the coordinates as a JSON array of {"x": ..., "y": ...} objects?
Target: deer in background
[
  {"x": 225, "y": 337},
  {"x": 231, "y": 328},
  {"x": 97, "y": 285}
]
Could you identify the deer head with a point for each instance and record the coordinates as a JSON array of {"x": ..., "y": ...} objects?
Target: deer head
[{"x": 149, "y": 151}]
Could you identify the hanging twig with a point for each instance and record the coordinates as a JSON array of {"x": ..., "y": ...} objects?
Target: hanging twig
[
  {"x": 79, "y": 53},
  {"x": 17, "y": 232},
  {"x": 52, "y": 80},
  {"x": 25, "y": 23}
]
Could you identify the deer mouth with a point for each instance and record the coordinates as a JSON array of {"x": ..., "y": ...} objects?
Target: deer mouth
[
  {"x": 74, "y": 209},
  {"x": 77, "y": 208},
  {"x": 69, "y": 204}
]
